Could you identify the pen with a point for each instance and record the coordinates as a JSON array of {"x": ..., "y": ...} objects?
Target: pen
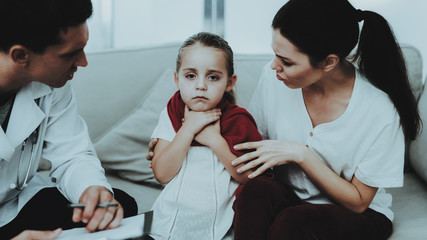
[{"x": 102, "y": 205}]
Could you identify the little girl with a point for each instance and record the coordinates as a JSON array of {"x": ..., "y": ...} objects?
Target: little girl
[{"x": 196, "y": 133}]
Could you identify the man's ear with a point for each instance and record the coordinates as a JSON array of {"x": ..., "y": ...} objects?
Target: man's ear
[
  {"x": 231, "y": 82},
  {"x": 19, "y": 54},
  {"x": 175, "y": 75},
  {"x": 330, "y": 62}
]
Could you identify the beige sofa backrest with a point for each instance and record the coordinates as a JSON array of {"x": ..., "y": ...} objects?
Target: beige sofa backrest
[{"x": 116, "y": 81}]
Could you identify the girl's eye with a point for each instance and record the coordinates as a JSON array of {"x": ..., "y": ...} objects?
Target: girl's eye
[
  {"x": 213, "y": 78},
  {"x": 190, "y": 76}
]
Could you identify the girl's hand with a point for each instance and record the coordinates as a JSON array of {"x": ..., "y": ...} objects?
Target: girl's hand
[
  {"x": 268, "y": 154},
  {"x": 194, "y": 122},
  {"x": 210, "y": 134}
]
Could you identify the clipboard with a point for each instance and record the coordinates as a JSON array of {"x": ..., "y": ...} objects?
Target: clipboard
[
  {"x": 148, "y": 221},
  {"x": 131, "y": 228}
]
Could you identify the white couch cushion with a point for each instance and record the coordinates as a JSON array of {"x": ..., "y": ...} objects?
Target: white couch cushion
[
  {"x": 414, "y": 63},
  {"x": 418, "y": 153},
  {"x": 114, "y": 82}
]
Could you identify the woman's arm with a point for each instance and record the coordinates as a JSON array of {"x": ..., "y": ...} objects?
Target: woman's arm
[{"x": 353, "y": 195}]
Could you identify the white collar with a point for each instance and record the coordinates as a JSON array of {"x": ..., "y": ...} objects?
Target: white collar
[{"x": 25, "y": 117}]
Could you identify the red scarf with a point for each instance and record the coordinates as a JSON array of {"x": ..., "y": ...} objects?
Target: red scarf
[{"x": 237, "y": 124}]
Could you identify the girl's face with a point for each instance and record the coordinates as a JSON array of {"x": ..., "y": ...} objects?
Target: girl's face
[
  {"x": 292, "y": 67},
  {"x": 203, "y": 78}
]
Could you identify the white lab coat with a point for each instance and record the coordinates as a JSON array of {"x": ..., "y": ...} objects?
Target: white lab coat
[{"x": 62, "y": 139}]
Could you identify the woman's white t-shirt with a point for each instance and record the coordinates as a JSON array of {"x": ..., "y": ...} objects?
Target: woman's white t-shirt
[
  {"x": 197, "y": 202},
  {"x": 366, "y": 141}
]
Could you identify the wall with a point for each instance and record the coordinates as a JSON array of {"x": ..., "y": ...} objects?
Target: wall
[
  {"x": 408, "y": 19},
  {"x": 248, "y": 28},
  {"x": 134, "y": 23}
]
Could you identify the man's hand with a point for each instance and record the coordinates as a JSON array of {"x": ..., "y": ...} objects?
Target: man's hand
[
  {"x": 98, "y": 218},
  {"x": 38, "y": 235}
]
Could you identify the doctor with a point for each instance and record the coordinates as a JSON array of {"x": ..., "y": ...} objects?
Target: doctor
[{"x": 41, "y": 48}]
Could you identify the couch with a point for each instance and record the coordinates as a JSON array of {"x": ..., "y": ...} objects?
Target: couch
[{"x": 121, "y": 93}]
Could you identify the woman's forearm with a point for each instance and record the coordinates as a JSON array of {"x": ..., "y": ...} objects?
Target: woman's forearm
[{"x": 353, "y": 195}]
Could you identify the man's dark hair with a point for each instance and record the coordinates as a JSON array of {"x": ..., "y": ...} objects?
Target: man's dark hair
[{"x": 37, "y": 24}]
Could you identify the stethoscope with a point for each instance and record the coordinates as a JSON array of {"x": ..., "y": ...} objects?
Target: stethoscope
[{"x": 33, "y": 138}]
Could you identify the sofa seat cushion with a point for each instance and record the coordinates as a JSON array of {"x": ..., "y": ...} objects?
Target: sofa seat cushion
[
  {"x": 410, "y": 210},
  {"x": 145, "y": 194}
]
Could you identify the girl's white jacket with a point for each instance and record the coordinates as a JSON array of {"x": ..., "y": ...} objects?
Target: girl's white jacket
[
  {"x": 197, "y": 202},
  {"x": 62, "y": 139}
]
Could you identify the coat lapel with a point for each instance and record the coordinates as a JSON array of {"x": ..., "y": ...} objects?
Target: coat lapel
[
  {"x": 6, "y": 150},
  {"x": 26, "y": 115}
]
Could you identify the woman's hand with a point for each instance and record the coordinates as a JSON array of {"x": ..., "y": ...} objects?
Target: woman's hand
[
  {"x": 353, "y": 195},
  {"x": 268, "y": 154},
  {"x": 151, "y": 145}
]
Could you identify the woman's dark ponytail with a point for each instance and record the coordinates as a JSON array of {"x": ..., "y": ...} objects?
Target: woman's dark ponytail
[
  {"x": 322, "y": 27},
  {"x": 381, "y": 60}
]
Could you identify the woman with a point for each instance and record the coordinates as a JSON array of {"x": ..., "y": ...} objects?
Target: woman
[{"x": 337, "y": 132}]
